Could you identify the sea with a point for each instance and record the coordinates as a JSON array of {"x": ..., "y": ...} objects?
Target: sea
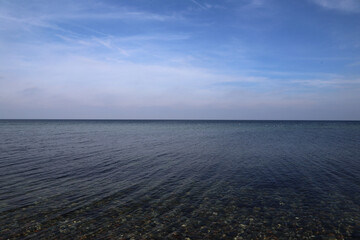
[{"x": 174, "y": 179}]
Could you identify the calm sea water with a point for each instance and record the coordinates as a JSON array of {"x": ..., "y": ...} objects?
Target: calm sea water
[{"x": 179, "y": 179}]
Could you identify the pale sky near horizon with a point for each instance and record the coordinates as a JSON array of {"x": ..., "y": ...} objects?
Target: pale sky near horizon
[{"x": 180, "y": 59}]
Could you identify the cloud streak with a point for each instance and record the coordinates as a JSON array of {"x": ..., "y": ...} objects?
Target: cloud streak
[
  {"x": 340, "y": 5},
  {"x": 204, "y": 7}
]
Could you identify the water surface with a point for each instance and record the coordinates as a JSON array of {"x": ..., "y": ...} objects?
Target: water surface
[{"x": 179, "y": 179}]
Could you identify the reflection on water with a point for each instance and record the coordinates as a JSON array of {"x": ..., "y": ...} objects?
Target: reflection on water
[{"x": 179, "y": 179}]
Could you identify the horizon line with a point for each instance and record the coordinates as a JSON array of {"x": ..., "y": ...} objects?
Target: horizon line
[{"x": 170, "y": 119}]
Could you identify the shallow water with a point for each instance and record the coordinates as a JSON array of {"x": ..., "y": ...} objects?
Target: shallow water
[{"x": 179, "y": 179}]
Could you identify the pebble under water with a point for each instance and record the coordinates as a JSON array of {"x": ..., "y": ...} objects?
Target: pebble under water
[{"x": 179, "y": 179}]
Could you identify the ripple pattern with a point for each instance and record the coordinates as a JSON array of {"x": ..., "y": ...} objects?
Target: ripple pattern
[{"x": 179, "y": 179}]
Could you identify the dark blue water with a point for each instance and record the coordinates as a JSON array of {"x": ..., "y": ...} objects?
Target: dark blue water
[{"x": 179, "y": 179}]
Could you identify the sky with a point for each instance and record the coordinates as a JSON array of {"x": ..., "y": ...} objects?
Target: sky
[{"x": 180, "y": 59}]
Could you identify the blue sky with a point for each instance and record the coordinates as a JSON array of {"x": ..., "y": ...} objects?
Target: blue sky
[{"x": 180, "y": 59}]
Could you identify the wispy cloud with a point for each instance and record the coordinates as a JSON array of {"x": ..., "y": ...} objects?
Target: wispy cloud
[
  {"x": 109, "y": 40},
  {"x": 332, "y": 82},
  {"x": 354, "y": 64},
  {"x": 85, "y": 79},
  {"x": 121, "y": 14},
  {"x": 79, "y": 82},
  {"x": 13, "y": 16},
  {"x": 257, "y": 3},
  {"x": 44, "y": 20},
  {"x": 204, "y": 7},
  {"x": 341, "y": 5}
]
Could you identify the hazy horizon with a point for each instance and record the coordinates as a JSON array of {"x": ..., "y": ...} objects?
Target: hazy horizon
[
  {"x": 174, "y": 119},
  {"x": 180, "y": 60}
]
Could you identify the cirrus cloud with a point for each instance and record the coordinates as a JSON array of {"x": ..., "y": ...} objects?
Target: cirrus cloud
[{"x": 341, "y": 5}]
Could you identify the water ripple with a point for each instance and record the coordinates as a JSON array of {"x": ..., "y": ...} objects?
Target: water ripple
[{"x": 177, "y": 179}]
